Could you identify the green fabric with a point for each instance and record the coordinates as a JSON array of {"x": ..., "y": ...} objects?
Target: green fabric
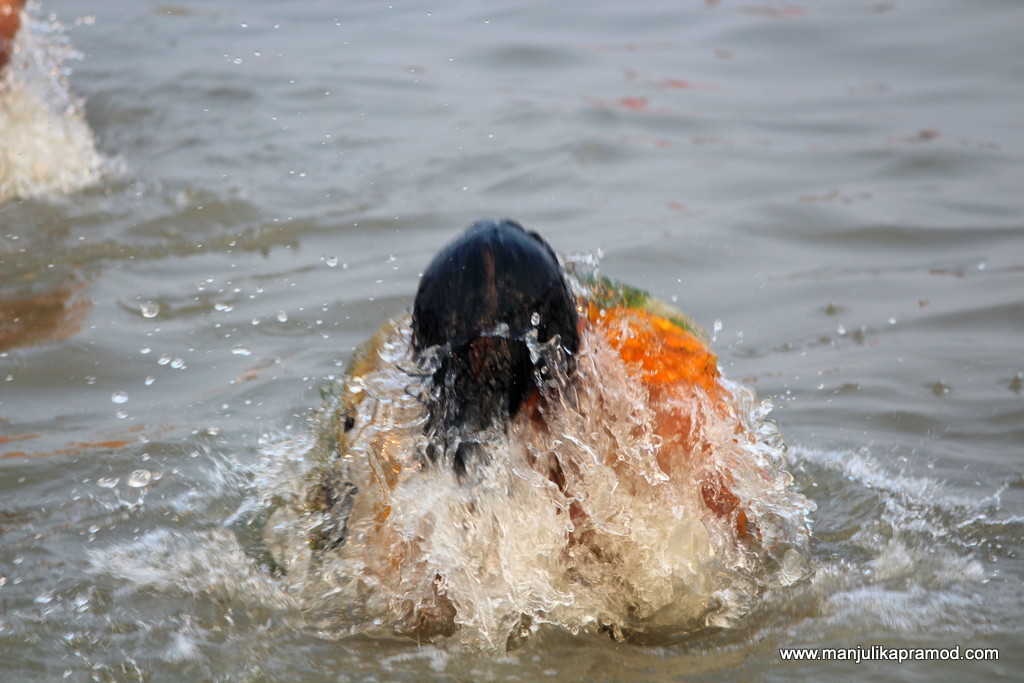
[{"x": 608, "y": 293}]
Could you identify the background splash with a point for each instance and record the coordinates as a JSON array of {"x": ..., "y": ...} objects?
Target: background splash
[{"x": 48, "y": 146}]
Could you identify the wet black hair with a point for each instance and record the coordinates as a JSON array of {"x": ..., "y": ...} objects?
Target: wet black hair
[{"x": 477, "y": 302}]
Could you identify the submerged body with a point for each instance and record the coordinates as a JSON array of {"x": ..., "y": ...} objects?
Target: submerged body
[{"x": 628, "y": 487}]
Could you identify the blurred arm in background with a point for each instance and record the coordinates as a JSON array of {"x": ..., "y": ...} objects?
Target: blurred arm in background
[{"x": 10, "y": 21}]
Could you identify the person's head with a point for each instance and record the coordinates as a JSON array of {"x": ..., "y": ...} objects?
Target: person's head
[{"x": 478, "y": 303}]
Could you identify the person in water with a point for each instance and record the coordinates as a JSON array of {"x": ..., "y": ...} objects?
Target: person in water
[
  {"x": 536, "y": 443},
  {"x": 10, "y": 22}
]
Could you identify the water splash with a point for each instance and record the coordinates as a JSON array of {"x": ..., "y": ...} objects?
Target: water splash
[
  {"x": 490, "y": 558},
  {"x": 895, "y": 553},
  {"x": 48, "y": 146},
  {"x": 577, "y": 524}
]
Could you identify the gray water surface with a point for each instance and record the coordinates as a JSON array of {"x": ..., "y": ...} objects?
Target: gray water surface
[{"x": 835, "y": 187}]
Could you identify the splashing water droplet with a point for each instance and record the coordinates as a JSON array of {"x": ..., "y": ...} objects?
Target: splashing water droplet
[
  {"x": 282, "y": 317},
  {"x": 139, "y": 478},
  {"x": 149, "y": 309},
  {"x": 107, "y": 482},
  {"x": 241, "y": 351},
  {"x": 332, "y": 261},
  {"x": 119, "y": 397},
  {"x": 535, "y": 319}
]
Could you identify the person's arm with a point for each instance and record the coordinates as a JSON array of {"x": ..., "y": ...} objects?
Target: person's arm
[{"x": 10, "y": 22}]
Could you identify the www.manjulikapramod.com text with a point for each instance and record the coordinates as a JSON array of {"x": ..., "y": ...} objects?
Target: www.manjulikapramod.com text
[{"x": 881, "y": 653}]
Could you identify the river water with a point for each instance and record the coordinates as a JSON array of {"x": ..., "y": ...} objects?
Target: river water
[{"x": 833, "y": 188}]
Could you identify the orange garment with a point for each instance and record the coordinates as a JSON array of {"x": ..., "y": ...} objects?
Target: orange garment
[{"x": 665, "y": 352}]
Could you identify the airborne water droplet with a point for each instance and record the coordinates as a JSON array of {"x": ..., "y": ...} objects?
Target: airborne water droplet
[
  {"x": 139, "y": 478},
  {"x": 149, "y": 309},
  {"x": 282, "y": 317},
  {"x": 107, "y": 482},
  {"x": 241, "y": 351},
  {"x": 119, "y": 397}
]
